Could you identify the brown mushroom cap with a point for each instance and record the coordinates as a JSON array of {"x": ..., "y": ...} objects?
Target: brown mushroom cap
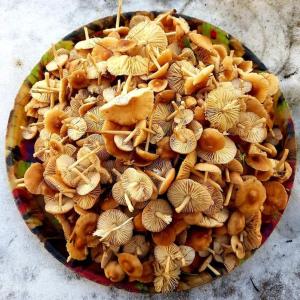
[
  {"x": 130, "y": 264},
  {"x": 199, "y": 239},
  {"x": 259, "y": 162},
  {"x": 158, "y": 85},
  {"x": 277, "y": 197},
  {"x": 236, "y": 223},
  {"x": 54, "y": 120},
  {"x": 250, "y": 196},
  {"x": 157, "y": 215},
  {"x": 223, "y": 156},
  {"x": 148, "y": 273},
  {"x": 252, "y": 238},
  {"x": 237, "y": 247},
  {"x": 114, "y": 272},
  {"x": 166, "y": 237},
  {"x": 130, "y": 108},
  {"x": 187, "y": 195},
  {"x": 114, "y": 227},
  {"x": 183, "y": 141},
  {"x": 186, "y": 166},
  {"x": 211, "y": 140}
]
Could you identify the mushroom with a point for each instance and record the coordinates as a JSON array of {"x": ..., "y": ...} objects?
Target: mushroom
[
  {"x": 137, "y": 246},
  {"x": 121, "y": 197},
  {"x": 58, "y": 204},
  {"x": 147, "y": 275},
  {"x": 234, "y": 179},
  {"x": 60, "y": 58},
  {"x": 188, "y": 255},
  {"x": 176, "y": 77},
  {"x": 130, "y": 264},
  {"x": 199, "y": 239},
  {"x": 250, "y": 196},
  {"x": 53, "y": 120},
  {"x": 230, "y": 262},
  {"x": 168, "y": 256},
  {"x": 88, "y": 43},
  {"x": 216, "y": 148},
  {"x": 259, "y": 162},
  {"x": 183, "y": 141},
  {"x": 160, "y": 114},
  {"x": 207, "y": 168},
  {"x": 148, "y": 33},
  {"x": 222, "y": 108},
  {"x": 206, "y": 264},
  {"x": 127, "y": 65},
  {"x": 252, "y": 236},
  {"x": 114, "y": 227},
  {"x": 114, "y": 272},
  {"x": 157, "y": 215},
  {"x": 122, "y": 143},
  {"x": 277, "y": 197},
  {"x": 196, "y": 127},
  {"x": 76, "y": 128},
  {"x": 165, "y": 237},
  {"x": 187, "y": 195},
  {"x": 165, "y": 281},
  {"x": 236, "y": 223},
  {"x": 130, "y": 108},
  {"x": 29, "y": 132},
  {"x": 237, "y": 247},
  {"x": 161, "y": 70},
  {"x": 158, "y": 85}
]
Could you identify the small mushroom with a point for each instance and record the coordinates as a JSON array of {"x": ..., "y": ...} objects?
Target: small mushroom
[
  {"x": 187, "y": 195},
  {"x": 164, "y": 181},
  {"x": 130, "y": 264},
  {"x": 207, "y": 168},
  {"x": 252, "y": 236},
  {"x": 147, "y": 275},
  {"x": 259, "y": 162},
  {"x": 237, "y": 247},
  {"x": 183, "y": 141},
  {"x": 236, "y": 223},
  {"x": 122, "y": 143},
  {"x": 89, "y": 200},
  {"x": 165, "y": 237},
  {"x": 76, "y": 128},
  {"x": 188, "y": 255},
  {"x": 250, "y": 196},
  {"x": 277, "y": 197},
  {"x": 199, "y": 239},
  {"x": 206, "y": 264},
  {"x": 59, "y": 204},
  {"x": 157, "y": 215},
  {"x": 168, "y": 256},
  {"x": 114, "y": 227},
  {"x": 137, "y": 246},
  {"x": 158, "y": 85},
  {"x": 54, "y": 120},
  {"x": 114, "y": 272}
]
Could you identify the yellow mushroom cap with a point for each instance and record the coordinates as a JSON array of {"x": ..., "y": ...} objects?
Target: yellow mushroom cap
[{"x": 130, "y": 108}]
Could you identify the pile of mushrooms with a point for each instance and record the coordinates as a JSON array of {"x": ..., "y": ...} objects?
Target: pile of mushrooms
[{"x": 156, "y": 151}]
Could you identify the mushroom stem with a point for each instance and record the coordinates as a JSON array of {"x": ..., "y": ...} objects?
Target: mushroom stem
[
  {"x": 211, "y": 251},
  {"x": 241, "y": 237},
  {"x": 148, "y": 130},
  {"x": 119, "y": 132},
  {"x": 108, "y": 232},
  {"x": 227, "y": 175},
  {"x": 118, "y": 87},
  {"x": 155, "y": 175},
  {"x": 19, "y": 180},
  {"x": 60, "y": 201},
  {"x": 36, "y": 124},
  {"x": 170, "y": 33},
  {"x": 183, "y": 262},
  {"x": 272, "y": 132},
  {"x": 168, "y": 262},
  {"x": 283, "y": 159},
  {"x": 166, "y": 218},
  {"x": 205, "y": 176},
  {"x": 213, "y": 183},
  {"x": 130, "y": 136},
  {"x": 183, "y": 204},
  {"x": 116, "y": 172},
  {"x": 45, "y": 90},
  {"x": 138, "y": 251},
  {"x": 35, "y": 154},
  {"x": 174, "y": 113},
  {"x": 262, "y": 147},
  {"x": 153, "y": 58},
  {"x": 47, "y": 74},
  {"x": 228, "y": 195},
  {"x": 86, "y": 33},
  {"x": 118, "y": 14},
  {"x": 148, "y": 134},
  {"x": 128, "y": 203},
  {"x": 126, "y": 85},
  {"x": 215, "y": 271},
  {"x": 83, "y": 158}
]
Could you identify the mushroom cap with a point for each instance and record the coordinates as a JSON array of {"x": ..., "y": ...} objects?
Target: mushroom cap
[
  {"x": 201, "y": 41},
  {"x": 252, "y": 236},
  {"x": 237, "y": 247},
  {"x": 259, "y": 162},
  {"x": 250, "y": 196},
  {"x": 56, "y": 183},
  {"x": 78, "y": 130},
  {"x": 277, "y": 197},
  {"x": 235, "y": 166},
  {"x": 230, "y": 262},
  {"x": 184, "y": 117},
  {"x": 150, "y": 34},
  {"x": 199, "y": 239},
  {"x": 169, "y": 177},
  {"x": 119, "y": 141},
  {"x": 141, "y": 135},
  {"x": 187, "y": 165},
  {"x": 160, "y": 113},
  {"x": 137, "y": 246},
  {"x": 216, "y": 196},
  {"x": 273, "y": 82},
  {"x": 255, "y": 106},
  {"x": 211, "y": 140},
  {"x": 188, "y": 254},
  {"x": 34, "y": 179},
  {"x": 87, "y": 44},
  {"x": 94, "y": 119},
  {"x": 137, "y": 184},
  {"x": 145, "y": 155},
  {"x": 127, "y": 65},
  {"x": 183, "y": 141},
  {"x": 162, "y": 253},
  {"x": 130, "y": 264},
  {"x": 138, "y": 18},
  {"x": 29, "y": 132},
  {"x": 118, "y": 193},
  {"x": 53, "y": 207},
  {"x": 160, "y": 166},
  {"x": 53, "y": 120},
  {"x": 114, "y": 272},
  {"x": 87, "y": 201},
  {"x": 206, "y": 167},
  {"x": 236, "y": 223},
  {"x": 250, "y": 130},
  {"x": 152, "y": 218},
  {"x": 109, "y": 220},
  {"x": 222, "y": 108},
  {"x": 85, "y": 188},
  {"x": 223, "y": 156},
  {"x": 165, "y": 237},
  {"x": 159, "y": 134},
  {"x": 130, "y": 108},
  {"x": 199, "y": 197},
  {"x": 158, "y": 85}
]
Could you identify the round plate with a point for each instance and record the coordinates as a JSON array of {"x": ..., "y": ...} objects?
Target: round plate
[{"x": 19, "y": 153}]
